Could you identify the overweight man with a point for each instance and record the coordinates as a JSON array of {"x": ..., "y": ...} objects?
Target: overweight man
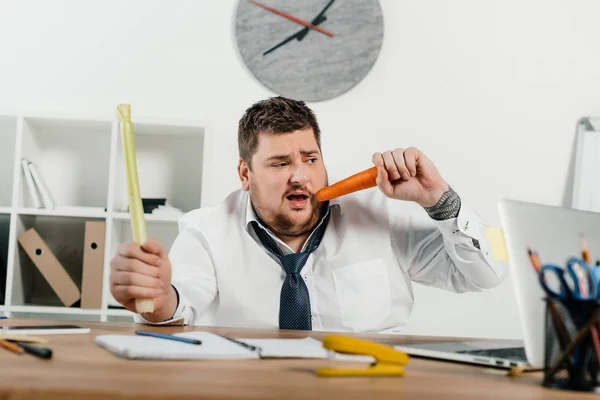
[{"x": 272, "y": 256}]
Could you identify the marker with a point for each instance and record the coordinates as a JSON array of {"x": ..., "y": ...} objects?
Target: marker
[
  {"x": 170, "y": 337},
  {"x": 40, "y": 352}
]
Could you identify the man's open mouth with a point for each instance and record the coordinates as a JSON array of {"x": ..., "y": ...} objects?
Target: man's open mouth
[{"x": 297, "y": 197}]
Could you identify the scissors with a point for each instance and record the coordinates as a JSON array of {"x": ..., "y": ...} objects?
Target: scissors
[{"x": 569, "y": 280}]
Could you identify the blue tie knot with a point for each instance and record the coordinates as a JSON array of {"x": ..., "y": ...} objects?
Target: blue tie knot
[{"x": 293, "y": 263}]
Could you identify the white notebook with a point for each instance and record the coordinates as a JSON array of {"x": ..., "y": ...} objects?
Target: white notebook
[{"x": 213, "y": 347}]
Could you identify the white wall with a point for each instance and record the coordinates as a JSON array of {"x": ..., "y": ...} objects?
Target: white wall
[{"x": 490, "y": 90}]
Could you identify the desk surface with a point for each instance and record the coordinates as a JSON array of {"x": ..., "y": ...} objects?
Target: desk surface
[{"x": 80, "y": 369}]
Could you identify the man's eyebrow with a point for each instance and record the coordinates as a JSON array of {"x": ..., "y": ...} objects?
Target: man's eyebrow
[
  {"x": 309, "y": 152},
  {"x": 278, "y": 157},
  {"x": 287, "y": 156}
]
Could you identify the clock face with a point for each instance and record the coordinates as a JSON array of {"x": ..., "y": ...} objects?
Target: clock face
[{"x": 311, "y": 50}]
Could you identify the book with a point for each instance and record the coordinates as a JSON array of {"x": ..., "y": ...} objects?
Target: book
[
  {"x": 47, "y": 198},
  {"x": 30, "y": 184}
]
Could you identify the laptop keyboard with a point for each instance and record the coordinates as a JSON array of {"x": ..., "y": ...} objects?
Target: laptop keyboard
[{"x": 516, "y": 353}]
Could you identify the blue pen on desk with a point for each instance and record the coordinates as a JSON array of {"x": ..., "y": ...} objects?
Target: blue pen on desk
[{"x": 170, "y": 337}]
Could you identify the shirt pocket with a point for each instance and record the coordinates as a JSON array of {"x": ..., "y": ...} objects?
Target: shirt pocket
[{"x": 363, "y": 294}]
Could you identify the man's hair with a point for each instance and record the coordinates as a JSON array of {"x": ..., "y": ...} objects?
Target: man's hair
[{"x": 274, "y": 115}]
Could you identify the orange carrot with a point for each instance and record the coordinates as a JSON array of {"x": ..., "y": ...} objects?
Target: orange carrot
[{"x": 363, "y": 180}]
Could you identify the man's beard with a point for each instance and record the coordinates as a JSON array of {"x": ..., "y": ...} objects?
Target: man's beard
[{"x": 281, "y": 224}]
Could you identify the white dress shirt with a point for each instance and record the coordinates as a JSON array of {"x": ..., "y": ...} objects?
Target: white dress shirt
[{"x": 359, "y": 278}]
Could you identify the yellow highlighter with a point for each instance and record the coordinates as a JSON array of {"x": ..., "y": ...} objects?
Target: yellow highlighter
[
  {"x": 388, "y": 361},
  {"x": 138, "y": 223}
]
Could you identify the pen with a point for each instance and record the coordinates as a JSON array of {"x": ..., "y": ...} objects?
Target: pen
[
  {"x": 41, "y": 352},
  {"x": 246, "y": 345},
  {"x": 170, "y": 337},
  {"x": 11, "y": 346}
]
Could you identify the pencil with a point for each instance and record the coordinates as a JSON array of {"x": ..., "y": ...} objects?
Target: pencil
[
  {"x": 138, "y": 223},
  {"x": 585, "y": 251},
  {"x": 15, "y": 348},
  {"x": 24, "y": 338},
  {"x": 559, "y": 325},
  {"x": 535, "y": 260}
]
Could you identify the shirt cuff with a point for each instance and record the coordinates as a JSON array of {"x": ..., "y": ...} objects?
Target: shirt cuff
[
  {"x": 176, "y": 319},
  {"x": 466, "y": 230}
]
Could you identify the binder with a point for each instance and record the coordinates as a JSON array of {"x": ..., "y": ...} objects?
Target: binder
[
  {"x": 51, "y": 269},
  {"x": 93, "y": 265}
]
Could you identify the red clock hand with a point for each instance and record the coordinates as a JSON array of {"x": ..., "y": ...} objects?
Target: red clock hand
[{"x": 292, "y": 18}]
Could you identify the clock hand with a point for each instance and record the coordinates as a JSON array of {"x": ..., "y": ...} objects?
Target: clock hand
[
  {"x": 294, "y": 19},
  {"x": 302, "y": 32},
  {"x": 319, "y": 15},
  {"x": 319, "y": 19},
  {"x": 298, "y": 35},
  {"x": 316, "y": 21}
]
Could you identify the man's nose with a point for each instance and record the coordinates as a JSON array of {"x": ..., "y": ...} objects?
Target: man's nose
[{"x": 300, "y": 174}]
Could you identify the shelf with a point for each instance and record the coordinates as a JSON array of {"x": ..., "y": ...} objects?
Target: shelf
[
  {"x": 65, "y": 239},
  {"x": 72, "y": 157},
  {"x": 53, "y": 310},
  {"x": 118, "y": 313},
  {"x": 147, "y": 217},
  {"x": 80, "y": 160},
  {"x": 8, "y": 134},
  {"x": 4, "y": 246},
  {"x": 169, "y": 162},
  {"x": 82, "y": 212}
]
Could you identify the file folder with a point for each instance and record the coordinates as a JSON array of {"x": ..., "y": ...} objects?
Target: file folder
[
  {"x": 93, "y": 265},
  {"x": 49, "y": 266}
]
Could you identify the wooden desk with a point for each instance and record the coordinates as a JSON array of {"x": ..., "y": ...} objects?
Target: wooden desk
[{"x": 80, "y": 369}]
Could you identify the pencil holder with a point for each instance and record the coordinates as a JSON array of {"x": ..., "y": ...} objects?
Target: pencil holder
[{"x": 572, "y": 344}]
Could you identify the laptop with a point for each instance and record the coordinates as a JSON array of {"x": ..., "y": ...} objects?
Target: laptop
[{"x": 554, "y": 233}]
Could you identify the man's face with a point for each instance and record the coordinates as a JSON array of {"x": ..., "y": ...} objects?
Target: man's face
[{"x": 287, "y": 171}]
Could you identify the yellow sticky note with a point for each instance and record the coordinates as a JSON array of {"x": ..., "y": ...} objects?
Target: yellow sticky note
[{"x": 495, "y": 237}]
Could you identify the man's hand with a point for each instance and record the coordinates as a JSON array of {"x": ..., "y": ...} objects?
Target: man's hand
[
  {"x": 143, "y": 272},
  {"x": 407, "y": 174}
]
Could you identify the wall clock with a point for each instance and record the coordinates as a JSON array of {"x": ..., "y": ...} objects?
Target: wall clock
[{"x": 311, "y": 50}]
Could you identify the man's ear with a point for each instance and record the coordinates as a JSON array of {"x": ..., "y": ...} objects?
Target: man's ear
[{"x": 244, "y": 172}]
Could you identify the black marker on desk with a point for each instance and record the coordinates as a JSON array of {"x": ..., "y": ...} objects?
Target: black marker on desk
[
  {"x": 170, "y": 337},
  {"x": 41, "y": 352}
]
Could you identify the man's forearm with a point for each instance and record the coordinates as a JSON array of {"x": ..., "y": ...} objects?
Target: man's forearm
[{"x": 166, "y": 312}]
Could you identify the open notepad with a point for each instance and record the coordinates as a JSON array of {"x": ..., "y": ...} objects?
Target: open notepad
[{"x": 216, "y": 347}]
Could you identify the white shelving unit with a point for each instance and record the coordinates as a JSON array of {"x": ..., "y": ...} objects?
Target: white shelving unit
[{"x": 81, "y": 161}]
